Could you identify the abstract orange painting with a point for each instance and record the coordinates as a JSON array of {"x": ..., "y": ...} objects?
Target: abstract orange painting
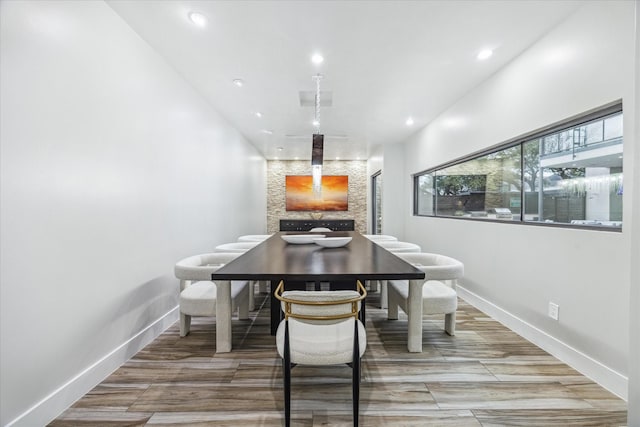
[{"x": 333, "y": 197}]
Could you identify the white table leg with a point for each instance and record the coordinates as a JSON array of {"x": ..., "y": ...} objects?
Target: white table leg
[
  {"x": 384, "y": 296},
  {"x": 223, "y": 316},
  {"x": 414, "y": 308}
]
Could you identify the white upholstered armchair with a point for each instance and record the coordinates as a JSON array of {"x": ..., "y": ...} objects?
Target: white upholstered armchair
[
  {"x": 396, "y": 247},
  {"x": 240, "y": 248},
  {"x": 199, "y": 295},
  {"x": 434, "y": 295}
]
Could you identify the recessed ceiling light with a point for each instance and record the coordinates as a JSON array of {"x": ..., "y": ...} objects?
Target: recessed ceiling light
[
  {"x": 337, "y": 158},
  {"x": 197, "y": 18},
  {"x": 316, "y": 123},
  {"x": 484, "y": 54},
  {"x": 238, "y": 82},
  {"x": 275, "y": 158},
  {"x": 258, "y": 114},
  {"x": 297, "y": 158},
  {"x": 280, "y": 148},
  {"x": 409, "y": 121},
  {"x": 267, "y": 131},
  {"x": 317, "y": 58}
]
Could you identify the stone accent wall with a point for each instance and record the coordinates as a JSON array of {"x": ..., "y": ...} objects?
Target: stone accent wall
[{"x": 277, "y": 170}]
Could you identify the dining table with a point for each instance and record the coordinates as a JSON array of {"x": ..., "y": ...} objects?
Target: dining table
[{"x": 300, "y": 265}]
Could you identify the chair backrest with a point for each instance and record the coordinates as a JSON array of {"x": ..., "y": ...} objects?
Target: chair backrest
[
  {"x": 323, "y": 229},
  {"x": 435, "y": 266},
  {"x": 381, "y": 237},
  {"x": 314, "y": 306},
  {"x": 200, "y": 267},
  {"x": 254, "y": 237},
  {"x": 399, "y": 247},
  {"x": 236, "y": 246}
]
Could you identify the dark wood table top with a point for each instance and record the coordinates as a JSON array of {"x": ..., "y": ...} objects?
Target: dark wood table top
[{"x": 275, "y": 259}]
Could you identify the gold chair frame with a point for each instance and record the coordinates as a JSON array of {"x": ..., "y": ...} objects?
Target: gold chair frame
[{"x": 289, "y": 301}]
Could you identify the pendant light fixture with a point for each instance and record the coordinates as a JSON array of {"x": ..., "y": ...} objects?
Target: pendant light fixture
[{"x": 318, "y": 145}]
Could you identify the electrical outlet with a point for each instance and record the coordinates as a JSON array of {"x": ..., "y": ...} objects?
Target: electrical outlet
[{"x": 554, "y": 310}]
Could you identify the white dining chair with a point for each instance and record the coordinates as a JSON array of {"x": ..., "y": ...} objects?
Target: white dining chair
[
  {"x": 374, "y": 284},
  {"x": 381, "y": 237},
  {"x": 395, "y": 247},
  {"x": 321, "y": 328},
  {"x": 254, "y": 237},
  {"x": 262, "y": 284},
  {"x": 435, "y": 294},
  {"x": 240, "y": 248},
  {"x": 398, "y": 247},
  {"x": 199, "y": 296}
]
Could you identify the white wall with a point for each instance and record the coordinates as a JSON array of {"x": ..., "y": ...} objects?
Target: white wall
[
  {"x": 393, "y": 204},
  {"x": 514, "y": 271},
  {"x": 113, "y": 169},
  {"x": 389, "y": 159},
  {"x": 374, "y": 165}
]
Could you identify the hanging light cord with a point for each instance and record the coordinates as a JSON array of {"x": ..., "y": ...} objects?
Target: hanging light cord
[
  {"x": 317, "y": 78},
  {"x": 316, "y": 169}
]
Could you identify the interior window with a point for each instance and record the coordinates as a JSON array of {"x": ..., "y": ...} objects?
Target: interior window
[{"x": 569, "y": 176}]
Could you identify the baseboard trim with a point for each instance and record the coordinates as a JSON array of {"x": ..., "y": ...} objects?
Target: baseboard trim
[
  {"x": 611, "y": 380},
  {"x": 45, "y": 411}
]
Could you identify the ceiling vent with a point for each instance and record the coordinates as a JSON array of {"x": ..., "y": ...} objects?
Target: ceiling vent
[{"x": 308, "y": 98}]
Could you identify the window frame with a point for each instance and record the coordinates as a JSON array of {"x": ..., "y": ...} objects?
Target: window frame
[{"x": 595, "y": 114}]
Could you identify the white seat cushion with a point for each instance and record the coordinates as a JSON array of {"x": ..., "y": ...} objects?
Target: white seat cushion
[
  {"x": 437, "y": 298},
  {"x": 321, "y": 344},
  {"x": 199, "y": 299}
]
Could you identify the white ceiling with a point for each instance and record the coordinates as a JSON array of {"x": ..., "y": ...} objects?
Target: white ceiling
[{"x": 383, "y": 61}]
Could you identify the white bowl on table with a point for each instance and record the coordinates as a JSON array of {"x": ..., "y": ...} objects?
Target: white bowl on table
[
  {"x": 333, "y": 242},
  {"x": 301, "y": 239}
]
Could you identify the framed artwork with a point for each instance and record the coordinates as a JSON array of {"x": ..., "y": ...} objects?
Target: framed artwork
[{"x": 333, "y": 197}]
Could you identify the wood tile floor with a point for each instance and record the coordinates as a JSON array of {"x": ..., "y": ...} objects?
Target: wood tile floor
[{"x": 484, "y": 376}]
